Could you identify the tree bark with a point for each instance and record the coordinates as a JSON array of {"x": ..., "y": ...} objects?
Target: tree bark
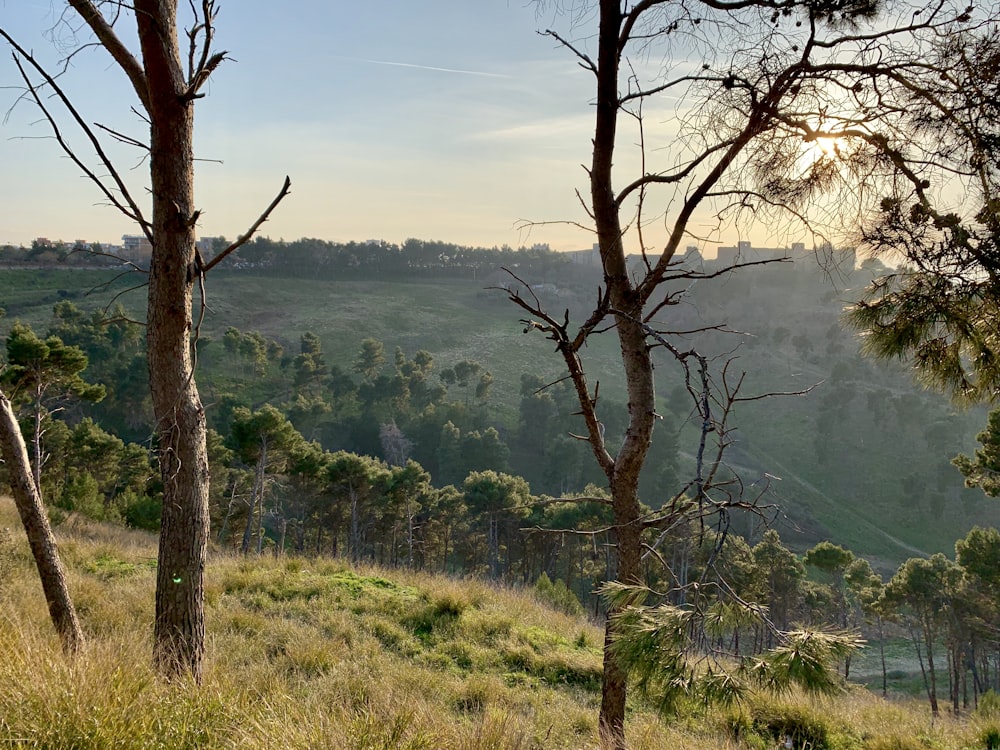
[
  {"x": 626, "y": 305},
  {"x": 36, "y": 526},
  {"x": 179, "y": 631}
]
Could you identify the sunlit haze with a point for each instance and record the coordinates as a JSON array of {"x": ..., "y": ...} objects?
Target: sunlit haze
[{"x": 442, "y": 119}]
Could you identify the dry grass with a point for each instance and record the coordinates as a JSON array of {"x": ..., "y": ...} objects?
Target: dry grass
[{"x": 316, "y": 654}]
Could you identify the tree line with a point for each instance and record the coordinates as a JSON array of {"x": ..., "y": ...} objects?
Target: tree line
[
  {"x": 313, "y": 257},
  {"x": 277, "y": 490}
]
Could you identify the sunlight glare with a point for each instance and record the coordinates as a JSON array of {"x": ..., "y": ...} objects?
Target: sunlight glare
[{"x": 812, "y": 151}]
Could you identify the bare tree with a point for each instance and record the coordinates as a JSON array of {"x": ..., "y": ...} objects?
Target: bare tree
[
  {"x": 167, "y": 80},
  {"x": 788, "y": 112},
  {"x": 36, "y": 525}
]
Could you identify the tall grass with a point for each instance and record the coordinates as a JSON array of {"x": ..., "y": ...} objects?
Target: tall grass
[{"x": 316, "y": 654}]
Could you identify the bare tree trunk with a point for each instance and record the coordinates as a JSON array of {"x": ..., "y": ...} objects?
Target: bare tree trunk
[
  {"x": 626, "y": 305},
  {"x": 881, "y": 652},
  {"x": 256, "y": 498},
  {"x": 179, "y": 632},
  {"x": 493, "y": 542},
  {"x": 36, "y": 526},
  {"x": 36, "y": 441},
  {"x": 355, "y": 542}
]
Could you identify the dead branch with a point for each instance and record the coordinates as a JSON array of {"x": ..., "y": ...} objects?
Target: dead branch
[
  {"x": 245, "y": 237},
  {"x": 110, "y": 41},
  {"x": 122, "y": 138},
  {"x": 584, "y": 60},
  {"x": 130, "y": 208}
]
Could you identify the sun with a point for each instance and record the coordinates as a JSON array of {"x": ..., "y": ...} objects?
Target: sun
[{"x": 811, "y": 151}]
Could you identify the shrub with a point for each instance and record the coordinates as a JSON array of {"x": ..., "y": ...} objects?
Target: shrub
[
  {"x": 557, "y": 595},
  {"x": 81, "y": 495},
  {"x": 802, "y": 726},
  {"x": 990, "y": 737},
  {"x": 989, "y": 704},
  {"x": 436, "y": 616}
]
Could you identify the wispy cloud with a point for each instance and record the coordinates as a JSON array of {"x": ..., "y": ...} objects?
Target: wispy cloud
[
  {"x": 548, "y": 129},
  {"x": 434, "y": 68}
]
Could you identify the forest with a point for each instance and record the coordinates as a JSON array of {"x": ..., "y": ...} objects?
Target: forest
[{"x": 326, "y": 445}]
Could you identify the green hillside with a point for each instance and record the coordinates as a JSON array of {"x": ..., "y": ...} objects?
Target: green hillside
[
  {"x": 863, "y": 458},
  {"x": 314, "y": 654}
]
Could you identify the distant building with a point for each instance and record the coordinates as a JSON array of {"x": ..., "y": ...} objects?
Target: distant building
[
  {"x": 692, "y": 256},
  {"x": 136, "y": 248},
  {"x": 842, "y": 260},
  {"x": 745, "y": 252},
  {"x": 587, "y": 258}
]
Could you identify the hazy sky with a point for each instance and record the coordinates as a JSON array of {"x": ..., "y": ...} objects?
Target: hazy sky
[{"x": 437, "y": 119}]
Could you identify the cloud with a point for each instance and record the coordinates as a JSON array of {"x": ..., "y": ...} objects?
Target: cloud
[
  {"x": 415, "y": 66},
  {"x": 552, "y": 129}
]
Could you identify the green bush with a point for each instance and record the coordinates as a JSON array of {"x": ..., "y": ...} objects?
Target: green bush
[
  {"x": 989, "y": 704},
  {"x": 82, "y": 495},
  {"x": 990, "y": 737},
  {"x": 558, "y": 596},
  {"x": 803, "y": 726},
  {"x": 140, "y": 511},
  {"x": 435, "y": 617}
]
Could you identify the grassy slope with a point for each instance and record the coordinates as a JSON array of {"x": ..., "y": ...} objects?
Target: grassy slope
[
  {"x": 314, "y": 654},
  {"x": 461, "y": 319}
]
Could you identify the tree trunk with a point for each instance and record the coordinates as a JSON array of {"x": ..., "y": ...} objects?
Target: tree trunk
[
  {"x": 179, "y": 632},
  {"x": 881, "y": 653},
  {"x": 623, "y": 474},
  {"x": 36, "y": 441},
  {"x": 256, "y": 499},
  {"x": 355, "y": 527},
  {"x": 493, "y": 542},
  {"x": 36, "y": 526}
]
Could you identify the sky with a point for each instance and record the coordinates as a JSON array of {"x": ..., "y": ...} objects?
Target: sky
[{"x": 452, "y": 120}]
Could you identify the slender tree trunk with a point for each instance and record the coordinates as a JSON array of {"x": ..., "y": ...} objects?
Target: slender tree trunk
[
  {"x": 929, "y": 682},
  {"x": 881, "y": 653},
  {"x": 36, "y": 526},
  {"x": 409, "y": 534},
  {"x": 179, "y": 632},
  {"x": 355, "y": 527},
  {"x": 256, "y": 498},
  {"x": 36, "y": 443},
  {"x": 280, "y": 546},
  {"x": 929, "y": 645},
  {"x": 444, "y": 550},
  {"x": 229, "y": 511},
  {"x": 626, "y": 305},
  {"x": 493, "y": 541}
]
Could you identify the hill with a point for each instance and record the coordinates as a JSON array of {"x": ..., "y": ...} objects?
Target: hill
[
  {"x": 863, "y": 458},
  {"x": 312, "y": 653}
]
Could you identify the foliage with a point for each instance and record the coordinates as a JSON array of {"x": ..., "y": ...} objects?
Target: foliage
[
  {"x": 983, "y": 470},
  {"x": 39, "y": 370},
  {"x": 558, "y": 595},
  {"x": 848, "y": 500},
  {"x": 941, "y": 308},
  {"x": 658, "y": 647}
]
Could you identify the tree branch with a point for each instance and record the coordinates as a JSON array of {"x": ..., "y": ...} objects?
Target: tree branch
[
  {"x": 110, "y": 41},
  {"x": 130, "y": 208},
  {"x": 245, "y": 237}
]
